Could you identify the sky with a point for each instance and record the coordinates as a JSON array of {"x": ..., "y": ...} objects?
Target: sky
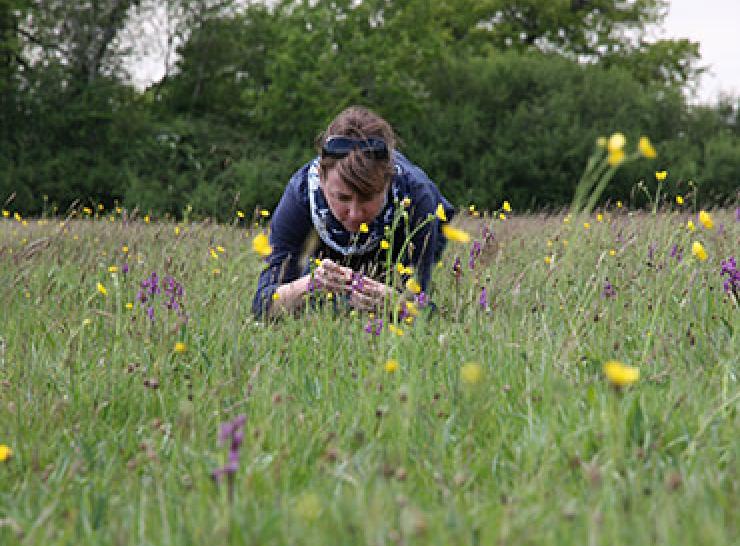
[{"x": 715, "y": 24}]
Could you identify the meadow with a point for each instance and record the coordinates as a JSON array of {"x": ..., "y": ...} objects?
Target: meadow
[{"x": 488, "y": 421}]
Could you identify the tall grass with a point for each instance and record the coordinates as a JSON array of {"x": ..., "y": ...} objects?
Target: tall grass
[{"x": 114, "y": 434}]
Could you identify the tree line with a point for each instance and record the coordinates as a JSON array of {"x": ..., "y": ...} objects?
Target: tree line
[{"x": 495, "y": 99}]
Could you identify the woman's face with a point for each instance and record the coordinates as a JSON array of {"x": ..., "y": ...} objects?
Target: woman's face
[{"x": 347, "y": 206}]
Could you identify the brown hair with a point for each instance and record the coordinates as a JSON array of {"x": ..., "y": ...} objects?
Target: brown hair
[{"x": 366, "y": 175}]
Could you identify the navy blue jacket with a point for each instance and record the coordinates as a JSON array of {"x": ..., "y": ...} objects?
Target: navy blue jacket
[{"x": 291, "y": 230}]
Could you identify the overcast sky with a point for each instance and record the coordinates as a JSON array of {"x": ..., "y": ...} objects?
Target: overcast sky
[{"x": 715, "y": 24}]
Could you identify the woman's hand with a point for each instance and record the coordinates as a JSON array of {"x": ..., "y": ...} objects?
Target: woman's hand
[{"x": 365, "y": 294}]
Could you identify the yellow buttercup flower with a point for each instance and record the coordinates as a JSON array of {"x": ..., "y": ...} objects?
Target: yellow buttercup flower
[
  {"x": 548, "y": 260},
  {"x": 616, "y": 157},
  {"x": 395, "y": 330},
  {"x": 147, "y": 219},
  {"x": 6, "y": 213},
  {"x": 612, "y": 252},
  {"x": 454, "y": 234},
  {"x": 440, "y": 212},
  {"x": 5, "y": 453},
  {"x": 261, "y": 245},
  {"x": 619, "y": 204},
  {"x": 697, "y": 249},
  {"x": 406, "y": 202},
  {"x": 507, "y": 206},
  {"x": 102, "y": 289},
  {"x": 180, "y": 348},
  {"x": 113, "y": 269},
  {"x": 679, "y": 200},
  {"x": 501, "y": 216},
  {"x": 364, "y": 228},
  {"x": 214, "y": 255},
  {"x": 264, "y": 213},
  {"x": 129, "y": 306},
  {"x": 124, "y": 249},
  {"x": 391, "y": 365},
  {"x": 385, "y": 245},
  {"x": 471, "y": 373},
  {"x": 471, "y": 208},
  {"x": 220, "y": 249},
  {"x": 599, "y": 217},
  {"x": 706, "y": 219},
  {"x": 413, "y": 286},
  {"x": 616, "y": 143},
  {"x": 411, "y": 308},
  {"x": 177, "y": 230},
  {"x": 690, "y": 225},
  {"x": 275, "y": 296},
  {"x": 240, "y": 214},
  {"x": 646, "y": 148},
  {"x": 661, "y": 175},
  {"x": 621, "y": 375},
  {"x": 586, "y": 225}
]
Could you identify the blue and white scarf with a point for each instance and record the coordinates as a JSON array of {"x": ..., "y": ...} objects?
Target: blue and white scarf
[{"x": 331, "y": 230}]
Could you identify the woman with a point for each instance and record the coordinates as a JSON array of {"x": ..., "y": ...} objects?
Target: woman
[{"x": 338, "y": 209}]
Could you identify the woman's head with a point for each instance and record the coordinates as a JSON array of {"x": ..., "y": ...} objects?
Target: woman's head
[{"x": 356, "y": 165}]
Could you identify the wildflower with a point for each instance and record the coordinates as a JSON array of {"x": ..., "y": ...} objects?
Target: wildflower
[
  {"x": 616, "y": 142},
  {"x": 690, "y": 225},
  {"x": 483, "y": 298},
  {"x": 601, "y": 142},
  {"x": 566, "y": 220},
  {"x": 676, "y": 252},
  {"x": 440, "y": 212},
  {"x": 698, "y": 251},
  {"x": 129, "y": 306},
  {"x": 102, "y": 289},
  {"x": 599, "y": 217},
  {"x": 180, "y": 348},
  {"x": 679, "y": 200},
  {"x": 616, "y": 157},
  {"x": 475, "y": 251},
  {"x": 501, "y": 216},
  {"x": 608, "y": 291},
  {"x": 232, "y": 432},
  {"x": 112, "y": 269},
  {"x": 454, "y": 234},
  {"x": 548, "y": 260},
  {"x": 729, "y": 268},
  {"x": 621, "y": 375},
  {"x": 471, "y": 373},
  {"x": 406, "y": 202},
  {"x": 471, "y": 208},
  {"x": 124, "y": 249},
  {"x": 275, "y": 296},
  {"x": 586, "y": 225},
  {"x": 646, "y": 148},
  {"x": 374, "y": 326},
  {"x": 308, "y": 507},
  {"x": 220, "y": 249},
  {"x": 413, "y": 286},
  {"x": 177, "y": 230},
  {"x": 385, "y": 245},
  {"x": 706, "y": 219},
  {"x": 457, "y": 268},
  {"x": 619, "y": 204},
  {"x": 240, "y": 214},
  {"x": 507, "y": 206},
  {"x": 5, "y": 453},
  {"x": 124, "y": 268},
  {"x": 395, "y": 330},
  {"x": 87, "y": 210},
  {"x": 661, "y": 175},
  {"x": 612, "y": 252},
  {"x": 261, "y": 245},
  {"x": 391, "y": 365},
  {"x": 213, "y": 254},
  {"x": 265, "y": 213},
  {"x": 364, "y": 228},
  {"x": 146, "y": 219},
  {"x": 6, "y": 213}
]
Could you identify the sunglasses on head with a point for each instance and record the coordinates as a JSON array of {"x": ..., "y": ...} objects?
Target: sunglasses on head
[{"x": 338, "y": 147}]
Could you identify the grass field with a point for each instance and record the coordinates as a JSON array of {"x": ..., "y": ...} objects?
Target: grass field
[{"x": 496, "y": 426}]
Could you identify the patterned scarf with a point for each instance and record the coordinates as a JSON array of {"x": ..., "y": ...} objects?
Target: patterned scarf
[{"x": 331, "y": 230}]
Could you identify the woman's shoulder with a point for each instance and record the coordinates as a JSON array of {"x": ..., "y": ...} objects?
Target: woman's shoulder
[{"x": 416, "y": 184}]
